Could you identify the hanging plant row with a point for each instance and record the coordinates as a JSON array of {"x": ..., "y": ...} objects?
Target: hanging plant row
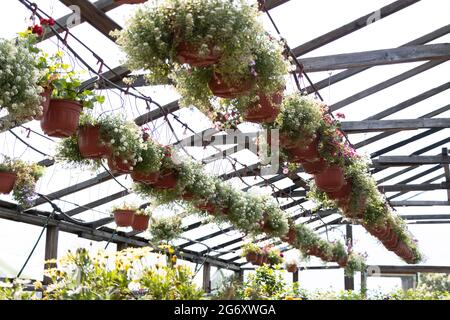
[
  {"x": 310, "y": 137},
  {"x": 128, "y": 149},
  {"x": 259, "y": 256}
]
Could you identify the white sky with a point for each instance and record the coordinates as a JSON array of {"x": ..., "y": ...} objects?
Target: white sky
[{"x": 299, "y": 21}]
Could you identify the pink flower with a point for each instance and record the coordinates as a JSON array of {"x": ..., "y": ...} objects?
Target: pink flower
[{"x": 340, "y": 115}]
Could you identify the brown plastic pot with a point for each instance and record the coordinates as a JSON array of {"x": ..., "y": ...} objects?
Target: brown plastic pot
[
  {"x": 140, "y": 222},
  {"x": 188, "y": 53},
  {"x": 342, "y": 193},
  {"x": 167, "y": 180},
  {"x": 252, "y": 257},
  {"x": 391, "y": 242},
  {"x": 292, "y": 268},
  {"x": 124, "y": 218},
  {"x": 342, "y": 261},
  {"x": 46, "y": 95},
  {"x": 304, "y": 153},
  {"x": 331, "y": 179},
  {"x": 315, "y": 167},
  {"x": 266, "y": 109},
  {"x": 90, "y": 144},
  {"x": 116, "y": 165},
  {"x": 145, "y": 178},
  {"x": 290, "y": 236},
  {"x": 225, "y": 90},
  {"x": 7, "y": 181},
  {"x": 206, "y": 206},
  {"x": 61, "y": 118},
  {"x": 188, "y": 196}
]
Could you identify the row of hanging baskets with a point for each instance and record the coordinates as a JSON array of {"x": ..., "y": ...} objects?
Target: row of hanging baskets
[{"x": 129, "y": 216}]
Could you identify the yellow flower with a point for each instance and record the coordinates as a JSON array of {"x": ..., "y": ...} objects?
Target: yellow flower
[
  {"x": 289, "y": 298},
  {"x": 37, "y": 285},
  {"x": 174, "y": 259},
  {"x": 248, "y": 291}
]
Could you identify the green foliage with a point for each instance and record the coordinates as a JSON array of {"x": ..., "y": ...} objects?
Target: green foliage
[
  {"x": 265, "y": 284},
  {"x": 250, "y": 247},
  {"x": 149, "y": 157},
  {"x": 434, "y": 282},
  {"x": 27, "y": 176},
  {"x": 274, "y": 257}
]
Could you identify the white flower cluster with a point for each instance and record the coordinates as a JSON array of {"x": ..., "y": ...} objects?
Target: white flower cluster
[{"x": 20, "y": 92}]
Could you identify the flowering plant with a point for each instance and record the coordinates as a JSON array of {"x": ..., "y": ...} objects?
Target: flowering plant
[
  {"x": 20, "y": 93},
  {"x": 150, "y": 157},
  {"x": 27, "y": 176},
  {"x": 125, "y": 206},
  {"x": 155, "y": 31},
  {"x": 144, "y": 212},
  {"x": 165, "y": 228},
  {"x": 274, "y": 256},
  {"x": 67, "y": 151},
  {"x": 250, "y": 247}
]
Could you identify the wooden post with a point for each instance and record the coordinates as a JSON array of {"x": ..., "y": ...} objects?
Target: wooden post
[
  {"x": 295, "y": 276},
  {"x": 364, "y": 283},
  {"x": 121, "y": 246},
  {"x": 240, "y": 275},
  {"x": 349, "y": 281},
  {"x": 51, "y": 248},
  {"x": 207, "y": 277}
]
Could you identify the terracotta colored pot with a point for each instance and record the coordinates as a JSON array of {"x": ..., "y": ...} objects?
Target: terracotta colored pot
[
  {"x": 206, "y": 206},
  {"x": 342, "y": 193},
  {"x": 140, "y": 222},
  {"x": 187, "y": 53},
  {"x": 90, "y": 144},
  {"x": 124, "y": 218},
  {"x": 167, "y": 180},
  {"x": 259, "y": 259},
  {"x": 61, "y": 118},
  {"x": 330, "y": 180},
  {"x": 342, "y": 262},
  {"x": 145, "y": 178},
  {"x": 188, "y": 196},
  {"x": 313, "y": 251},
  {"x": 251, "y": 257},
  {"x": 292, "y": 268},
  {"x": 315, "y": 167},
  {"x": 7, "y": 181},
  {"x": 224, "y": 90},
  {"x": 46, "y": 95},
  {"x": 391, "y": 242},
  {"x": 265, "y": 110},
  {"x": 116, "y": 165},
  {"x": 404, "y": 252},
  {"x": 381, "y": 232},
  {"x": 304, "y": 153},
  {"x": 290, "y": 236}
]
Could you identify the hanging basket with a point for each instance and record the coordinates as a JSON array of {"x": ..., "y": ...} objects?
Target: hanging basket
[
  {"x": 140, "y": 222},
  {"x": 116, "y": 165},
  {"x": 188, "y": 196},
  {"x": 251, "y": 257},
  {"x": 304, "y": 152},
  {"x": 7, "y": 181},
  {"x": 292, "y": 268},
  {"x": 188, "y": 53},
  {"x": 224, "y": 90},
  {"x": 391, "y": 242},
  {"x": 381, "y": 232},
  {"x": 124, "y": 218},
  {"x": 206, "y": 206},
  {"x": 315, "y": 167},
  {"x": 342, "y": 261},
  {"x": 90, "y": 144},
  {"x": 46, "y": 95},
  {"x": 342, "y": 193},
  {"x": 266, "y": 109},
  {"x": 404, "y": 252},
  {"x": 145, "y": 178},
  {"x": 291, "y": 236},
  {"x": 330, "y": 180},
  {"x": 61, "y": 118},
  {"x": 167, "y": 180}
]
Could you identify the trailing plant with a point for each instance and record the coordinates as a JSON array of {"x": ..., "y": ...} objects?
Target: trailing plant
[
  {"x": 20, "y": 92},
  {"x": 274, "y": 256},
  {"x": 355, "y": 263},
  {"x": 149, "y": 158},
  {"x": 250, "y": 247},
  {"x": 67, "y": 151},
  {"x": 152, "y": 35},
  {"x": 165, "y": 228},
  {"x": 27, "y": 177}
]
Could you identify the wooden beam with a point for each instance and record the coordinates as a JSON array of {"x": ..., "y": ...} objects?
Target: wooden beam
[
  {"x": 439, "y": 51},
  {"x": 415, "y": 187},
  {"x": 385, "y": 84},
  {"x": 95, "y": 16},
  {"x": 352, "y": 26},
  {"x": 351, "y": 72},
  {"x": 352, "y": 127},
  {"x": 412, "y": 101},
  {"x": 270, "y": 4},
  {"x": 410, "y": 160}
]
